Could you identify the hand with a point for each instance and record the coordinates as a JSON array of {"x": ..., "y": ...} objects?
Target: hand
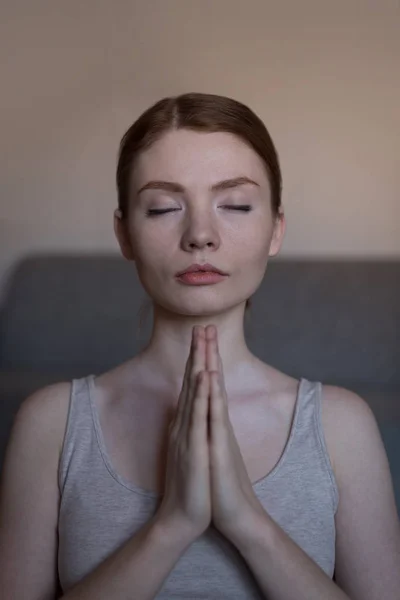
[
  {"x": 187, "y": 497},
  {"x": 233, "y": 499}
]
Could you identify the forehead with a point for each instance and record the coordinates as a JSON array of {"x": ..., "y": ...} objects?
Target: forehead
[{"x": 191, "y": 157}]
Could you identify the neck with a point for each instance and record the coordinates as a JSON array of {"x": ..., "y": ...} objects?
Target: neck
[{"x": 167, "y": 352}]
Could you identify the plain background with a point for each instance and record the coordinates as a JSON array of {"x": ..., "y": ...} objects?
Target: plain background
[{"x": 324, "y": 76}]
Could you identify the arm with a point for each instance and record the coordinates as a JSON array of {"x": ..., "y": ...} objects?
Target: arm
[
  {"x": 367, "y": 524},
  {"x": 29, "y": 503},
  {"x": 282, "y": 569},
  {"x": 138, "y": 569}
]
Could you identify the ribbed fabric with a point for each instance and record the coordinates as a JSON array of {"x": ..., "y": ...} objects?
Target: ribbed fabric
[{"x": 100, "y": 510}]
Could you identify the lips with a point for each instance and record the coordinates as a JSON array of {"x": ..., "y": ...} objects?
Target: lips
[{"x": 207, "y": 267}]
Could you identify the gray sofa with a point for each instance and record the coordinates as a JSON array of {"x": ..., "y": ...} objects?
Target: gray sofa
[{"x": 334, "y": 321}]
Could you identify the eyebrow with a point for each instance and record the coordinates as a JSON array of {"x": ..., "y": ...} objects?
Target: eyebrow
[{"x": 177, "y": 188}]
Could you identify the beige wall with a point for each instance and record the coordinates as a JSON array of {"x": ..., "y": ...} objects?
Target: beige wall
[{"x": 324, "y": 76}]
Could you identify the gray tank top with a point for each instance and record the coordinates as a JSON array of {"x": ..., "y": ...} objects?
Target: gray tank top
[{"x": 100, "y": 510}]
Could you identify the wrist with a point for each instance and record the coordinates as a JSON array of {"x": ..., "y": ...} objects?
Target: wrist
[
  {"x": 252, "y": 532},
  {"x": 172, "y": 531}
]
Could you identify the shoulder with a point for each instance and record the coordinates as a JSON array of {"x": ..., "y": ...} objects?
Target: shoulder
[
  {"x": 30, "y": 495},
  {"x": 367, "y": 523},
  {"x": 46, "y": 397},
  {"x": 340, "y": 404},
  {"x": 349, "y": 426},
  {"x": 43, "y": 415}
]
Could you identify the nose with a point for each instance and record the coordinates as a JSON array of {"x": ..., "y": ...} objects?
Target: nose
[{"x": 200, "y": 232}]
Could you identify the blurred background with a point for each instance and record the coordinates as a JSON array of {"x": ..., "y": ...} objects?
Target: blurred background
[{"x": 324, "y": 76}]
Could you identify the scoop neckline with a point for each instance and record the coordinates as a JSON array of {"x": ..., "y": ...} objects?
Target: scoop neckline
[{"x": 257, "y": 485}]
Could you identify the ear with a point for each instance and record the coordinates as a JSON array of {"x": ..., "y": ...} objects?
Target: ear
[
  {"x": 278, "y": 234},
  {"x": 122, "y": 235}
]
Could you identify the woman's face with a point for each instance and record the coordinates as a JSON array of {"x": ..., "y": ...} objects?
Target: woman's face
[{"x": 201, "y": 228}]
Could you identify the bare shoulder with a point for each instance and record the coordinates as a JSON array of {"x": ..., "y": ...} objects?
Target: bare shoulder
[
  {"x": 346, "y": 417},
  {"x": 367, "y": 522},
  {"x": 29, "y": 494},
  {"x": 344, "y": 414},
  {"x": 46, "y": 411}
]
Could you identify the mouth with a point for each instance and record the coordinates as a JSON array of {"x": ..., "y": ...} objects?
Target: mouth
[
  {"x": 201, "y": 277},
  {"x": 197, "y": 268}
]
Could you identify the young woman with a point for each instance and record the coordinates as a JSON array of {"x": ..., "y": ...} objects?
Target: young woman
[{"x": 195, "y": 470}]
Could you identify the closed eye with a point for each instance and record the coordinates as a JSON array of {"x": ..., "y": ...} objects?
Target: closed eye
[
  {"x": 161, "y": 211},
  {"x": 243, "y": 207}
]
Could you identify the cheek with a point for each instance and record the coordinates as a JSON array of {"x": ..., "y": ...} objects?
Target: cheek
[
  {"x": 149, "y": 243},
  {"x": 254, "y": 247},
  {"x": 251, "y": 259}
]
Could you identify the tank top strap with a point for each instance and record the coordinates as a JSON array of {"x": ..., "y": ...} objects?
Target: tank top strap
[
  {"x": 309, "y": 399},
  {"x": 79, "y": 430},
  {"x": 309, "y": 430}
]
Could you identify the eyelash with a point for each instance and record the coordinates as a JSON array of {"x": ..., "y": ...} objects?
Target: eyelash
[{"x": 153, "y": 212}]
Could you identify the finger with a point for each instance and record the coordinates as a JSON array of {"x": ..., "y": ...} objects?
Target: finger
[
  {"x": 217, "y": 404},
  {"x": 197, "y": 432},
  {"x": 198, "y": 365},
  {"x": 177, "y": 421},
  {"x": 212, "y": 356}
]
